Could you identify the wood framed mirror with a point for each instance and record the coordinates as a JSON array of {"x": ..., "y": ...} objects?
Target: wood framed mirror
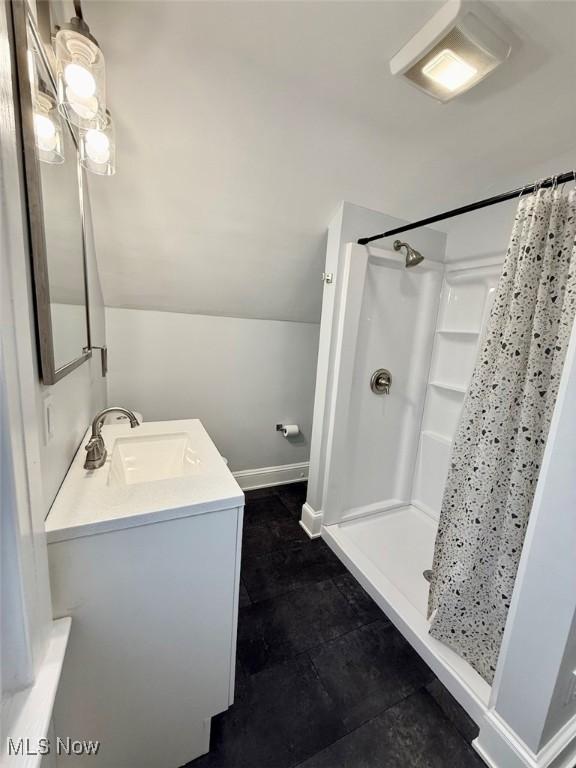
[{"x": 55, "y": 209}]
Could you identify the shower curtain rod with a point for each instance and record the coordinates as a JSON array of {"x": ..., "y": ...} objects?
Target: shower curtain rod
[{"x": 525, "y": 190}]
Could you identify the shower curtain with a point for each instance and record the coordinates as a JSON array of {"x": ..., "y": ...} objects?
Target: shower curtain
[{"x": 502, "y": 431}]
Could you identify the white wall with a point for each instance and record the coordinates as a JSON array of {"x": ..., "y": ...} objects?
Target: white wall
[
  {"x": 486, "y": 232},
  {"x": 562, "y": 710},
  {"x": 240, "y": 377},
  {"x": 75, "y": 399},
  {"x": 288, "y": 109},
  {"x": 26, "y": 613}
]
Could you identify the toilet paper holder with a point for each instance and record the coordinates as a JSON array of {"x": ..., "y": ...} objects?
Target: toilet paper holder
[{"x": 288, "y": 430}]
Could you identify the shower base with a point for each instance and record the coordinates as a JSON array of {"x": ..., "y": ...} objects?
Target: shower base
[{"x": 387, "y": 552}]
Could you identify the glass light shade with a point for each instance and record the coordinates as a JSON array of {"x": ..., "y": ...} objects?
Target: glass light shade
[
  {"x": 48, "y": 130},
  {"x": 81, "y": 73},
  {"x": 98, "y": 149}
]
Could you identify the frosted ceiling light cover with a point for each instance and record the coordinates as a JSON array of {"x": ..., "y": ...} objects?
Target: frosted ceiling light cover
[
  {"x": 449, "y": 70},
  {"x": 456, "y": 49}
]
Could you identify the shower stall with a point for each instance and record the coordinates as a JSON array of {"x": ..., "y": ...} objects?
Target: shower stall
[{"x": 380, "y": 457}]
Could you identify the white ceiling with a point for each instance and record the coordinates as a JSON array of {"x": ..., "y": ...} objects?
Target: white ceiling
[{"x": 241, "y": 126}]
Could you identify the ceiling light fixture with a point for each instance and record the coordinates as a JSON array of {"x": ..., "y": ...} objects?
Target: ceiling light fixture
[
  {"x": 81, "y": 74},
  {"x": 455, "y": 50},
  {"x": 449, "y": 70}
]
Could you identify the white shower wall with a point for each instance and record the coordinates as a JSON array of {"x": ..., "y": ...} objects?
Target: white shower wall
[
  {"x": 348, "y": 224},
  {"x": 388, "y": 455},
  {"x": 392, "y": 328},
  {"x": 424, "y": 324},
  {"x": 467, "y": 294}
]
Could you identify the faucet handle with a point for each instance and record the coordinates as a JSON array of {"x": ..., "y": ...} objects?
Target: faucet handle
[
  {"x": 95, "y": 452},
  {"x": 94, "y": 443}
]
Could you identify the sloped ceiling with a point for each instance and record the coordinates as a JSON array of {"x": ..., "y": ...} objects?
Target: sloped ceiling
[{"x": 241, "y": 126}]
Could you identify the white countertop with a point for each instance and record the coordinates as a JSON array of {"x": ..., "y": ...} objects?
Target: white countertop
[{"x": 87, "y": 504}]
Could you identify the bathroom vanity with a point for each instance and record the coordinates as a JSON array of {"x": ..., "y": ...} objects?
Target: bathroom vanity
[{"x": 145, "y": 557}]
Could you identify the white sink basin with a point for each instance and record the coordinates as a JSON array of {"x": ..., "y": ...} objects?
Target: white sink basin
[
  {"x": 148, "y": 458},
  {"x": 158, "y": 471}
]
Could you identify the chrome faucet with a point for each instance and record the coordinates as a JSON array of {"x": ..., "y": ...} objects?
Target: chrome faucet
[{"x": 95, "y": 448}]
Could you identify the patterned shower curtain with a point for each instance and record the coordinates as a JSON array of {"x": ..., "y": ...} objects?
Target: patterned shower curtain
[{"x": 502, "y": 432}]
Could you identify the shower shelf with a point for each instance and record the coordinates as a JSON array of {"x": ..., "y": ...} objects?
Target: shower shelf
[
  {"x": 457, "y": 332},
  {"x": 450, "y": 387},
  {"x": 437, "y": 436}
]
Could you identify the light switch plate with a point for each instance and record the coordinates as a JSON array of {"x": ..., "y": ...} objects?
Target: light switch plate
[{"x": 47, "y": 417}]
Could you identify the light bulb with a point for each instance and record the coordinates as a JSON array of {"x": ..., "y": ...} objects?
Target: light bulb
[
  {"x": 31, "y": 68},
  {"x": 449, "y": 70},
  {"x": 45, "y": 132},
  {"x": 85, "y": 108},
  {"x": 80, "y": 81},
  {"x": 97, "y": 146}
]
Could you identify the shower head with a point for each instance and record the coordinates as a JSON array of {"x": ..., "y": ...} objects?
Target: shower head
[{"x": 413, "y": 256}]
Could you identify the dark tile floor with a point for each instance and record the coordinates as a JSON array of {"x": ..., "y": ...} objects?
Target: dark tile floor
[{"x": 323, "y": 678}]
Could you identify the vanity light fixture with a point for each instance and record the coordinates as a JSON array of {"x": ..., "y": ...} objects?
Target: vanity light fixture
[
  {"x": 47, "y": 130},
  {"x": 457, "y": 48},
  {"x": 45, "y": 116},
  {"x": 98, "y": 148},
  {"x": 81, "y": 74}
]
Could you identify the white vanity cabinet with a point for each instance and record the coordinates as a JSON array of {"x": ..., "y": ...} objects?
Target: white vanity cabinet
[{"x": 152, "y": 589}]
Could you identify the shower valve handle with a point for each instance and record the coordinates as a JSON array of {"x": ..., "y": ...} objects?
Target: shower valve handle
[{"x": 381, "y": 381}]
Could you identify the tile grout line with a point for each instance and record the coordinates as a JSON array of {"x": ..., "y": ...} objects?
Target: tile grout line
[
  {"x": 334, "y": 704},
  {"x": 357, "y": 727},
  {"x": 344, "y": 634},
  {"x": 312, "y": 648},
  {"x": 448, "y": 719},
  {"x": 383, "y": 617},
  {"x": 298, "y": 545},
  {"x": 367, "y": 596}
]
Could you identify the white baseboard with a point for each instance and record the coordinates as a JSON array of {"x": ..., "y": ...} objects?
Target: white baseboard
[
  {"x": 500, "y": 747},
  {"x": 311, "y": 521},
  {"x": 250, "y": 479}
]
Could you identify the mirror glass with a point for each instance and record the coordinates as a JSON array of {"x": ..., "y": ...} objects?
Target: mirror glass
[
  {"x": 65, "y": 255},
  {"x": 57, "y": 223}
]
